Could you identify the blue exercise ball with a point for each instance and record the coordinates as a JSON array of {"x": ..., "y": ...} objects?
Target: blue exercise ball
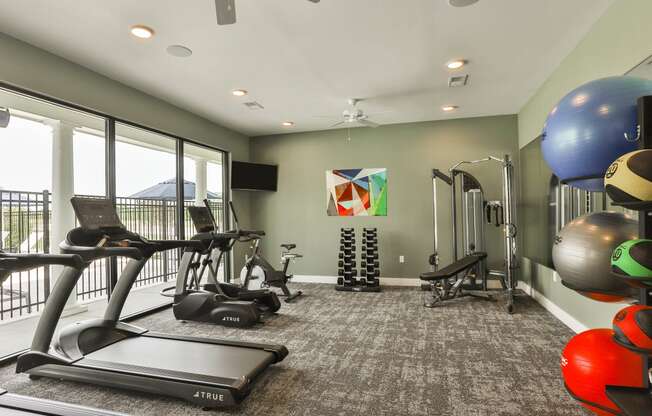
[{"x": 585, "y": 132}]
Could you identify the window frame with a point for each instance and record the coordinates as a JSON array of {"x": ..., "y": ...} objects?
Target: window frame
[{"x": 110, "y": 178}]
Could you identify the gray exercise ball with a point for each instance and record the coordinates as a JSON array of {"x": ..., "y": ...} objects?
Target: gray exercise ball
[{"x": 582, "y": 254}]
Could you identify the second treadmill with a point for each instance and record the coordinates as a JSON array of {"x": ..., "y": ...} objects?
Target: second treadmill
[{"x": 209, "y": 372}]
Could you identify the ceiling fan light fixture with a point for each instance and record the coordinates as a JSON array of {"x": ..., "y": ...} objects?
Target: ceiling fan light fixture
[
  {"x": 456, "y": 63},
  {"x": 449, "y": 108},
  {"x": 287, "y": 124},
  {"x": 142, "y": 31},
  {"x": 239, "y": 92}
]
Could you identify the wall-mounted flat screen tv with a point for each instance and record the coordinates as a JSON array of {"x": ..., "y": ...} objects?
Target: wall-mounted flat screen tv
[{"x": 253, "y": 176}]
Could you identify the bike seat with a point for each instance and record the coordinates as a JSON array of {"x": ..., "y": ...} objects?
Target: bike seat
[{"x": 288, "y": 246}]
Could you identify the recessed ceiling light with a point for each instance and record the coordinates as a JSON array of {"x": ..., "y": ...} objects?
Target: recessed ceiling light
[
  {"x": 179, "y": 51},
  {"x": 287, "y": 123},
  {"x": 456, "y": 63},
  {"x": 142, "y": 32},
  {"x": 449, "y": 108},
  {"x": 239, "y": 93}
]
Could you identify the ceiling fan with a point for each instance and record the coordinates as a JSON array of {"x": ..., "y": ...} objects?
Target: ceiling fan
[
  {"x": 355, "y": 115},
  {"x": 226, "y": 11}
]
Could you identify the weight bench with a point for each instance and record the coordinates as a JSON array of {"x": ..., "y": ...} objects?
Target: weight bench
[{"x": 442, "y": 285}]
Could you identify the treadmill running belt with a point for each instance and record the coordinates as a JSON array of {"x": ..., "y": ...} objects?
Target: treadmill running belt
[{"x": 159, "y": 356}]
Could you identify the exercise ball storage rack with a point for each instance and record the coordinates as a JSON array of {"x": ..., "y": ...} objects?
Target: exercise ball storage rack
[{"x": 638, "y": 401}]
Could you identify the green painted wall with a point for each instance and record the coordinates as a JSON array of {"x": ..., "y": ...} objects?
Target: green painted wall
[
  {"x": 297, "y": 212},
  {"x": 37, "y": 70},
  {"x": 618, "y": 41}
]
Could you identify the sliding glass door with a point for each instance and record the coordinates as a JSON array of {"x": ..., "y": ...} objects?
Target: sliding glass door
[
  {"x": 146, "y": 199},
  {"x": 51, "y": 151},
  {"x": 48, "y": 154},
  {"x": 203, "y": 177}
]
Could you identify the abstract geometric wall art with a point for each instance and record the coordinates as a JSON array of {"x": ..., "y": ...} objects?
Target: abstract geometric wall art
[{"x": 357, "y": 192}]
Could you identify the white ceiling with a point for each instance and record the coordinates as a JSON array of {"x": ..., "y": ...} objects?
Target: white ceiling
[{"x": 302, "y": 60}]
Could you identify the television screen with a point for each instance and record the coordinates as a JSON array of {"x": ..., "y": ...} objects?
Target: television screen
[{"x": 253, "y": 176}]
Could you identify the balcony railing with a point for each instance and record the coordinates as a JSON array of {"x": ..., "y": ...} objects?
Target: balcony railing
[{"x": 25, "y": 227}]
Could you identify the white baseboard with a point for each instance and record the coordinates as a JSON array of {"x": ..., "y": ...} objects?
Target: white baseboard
[
  {"x": 553, "y": 308},
  {"x": 400, "y": 281},
  {"x": 304, "y": 278}
]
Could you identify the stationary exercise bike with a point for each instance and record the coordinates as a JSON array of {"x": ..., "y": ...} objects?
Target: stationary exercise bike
[
  {"x": 215, "y": 302},
  {"x": 258, "y": 268}
]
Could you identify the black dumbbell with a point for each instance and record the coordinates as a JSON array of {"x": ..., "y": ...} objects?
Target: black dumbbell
[{"x": 346, "y": 264}]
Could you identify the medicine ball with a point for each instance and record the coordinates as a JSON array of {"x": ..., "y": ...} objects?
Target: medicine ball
[
  {"x": 582, "y": 251},
  {"x": 593, "y": 360},
  {"x": 632, "y": 261},
  {"x": 584, "y": 132},
  {"x": 629, "y": 178},
  {"x": 633, "y": 328}
]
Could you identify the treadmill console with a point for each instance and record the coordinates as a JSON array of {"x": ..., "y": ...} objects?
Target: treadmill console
[{"x": 96, "y": 214}]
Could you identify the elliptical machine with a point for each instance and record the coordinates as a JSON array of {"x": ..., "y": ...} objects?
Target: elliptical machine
[
  {"x": 219, "y": 303},
  {"x": 257, "y": 267}
]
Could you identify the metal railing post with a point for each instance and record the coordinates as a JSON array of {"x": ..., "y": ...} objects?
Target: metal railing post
[
  {"x": 164, "y": 209},
  {"x": 2, "y": 205},
  {"x": 46, "y": 241}
]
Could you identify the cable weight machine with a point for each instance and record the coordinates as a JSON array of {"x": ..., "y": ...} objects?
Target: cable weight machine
[{"x": 468, "y": 274}]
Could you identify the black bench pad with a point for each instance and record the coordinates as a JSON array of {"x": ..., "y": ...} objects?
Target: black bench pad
[{"x": 453, "y": 269}]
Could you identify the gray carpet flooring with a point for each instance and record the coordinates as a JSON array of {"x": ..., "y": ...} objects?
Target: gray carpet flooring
[{"x": 373, "y": 354}]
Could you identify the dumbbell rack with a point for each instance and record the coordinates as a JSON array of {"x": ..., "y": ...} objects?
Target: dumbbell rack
[
  {"x": 369, "y": 264},
  {"x": 638, "y": 401},
  {"x": 346, "y": 270}
]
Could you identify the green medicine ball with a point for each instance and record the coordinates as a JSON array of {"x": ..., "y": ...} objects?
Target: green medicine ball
[{"x": 632, "y": 260}]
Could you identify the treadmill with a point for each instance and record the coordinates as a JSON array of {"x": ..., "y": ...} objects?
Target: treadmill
[
  {"x": 16, "y": 405},
  {"x": 208, "y": 372}
]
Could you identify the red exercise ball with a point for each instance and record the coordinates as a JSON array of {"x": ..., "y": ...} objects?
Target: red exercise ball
[
  {"x": 633, "y": 328},
  {"x": 593, "y": 360}
]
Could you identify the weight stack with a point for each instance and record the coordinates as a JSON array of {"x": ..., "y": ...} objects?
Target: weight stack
[{"x": 346, "y": 265}]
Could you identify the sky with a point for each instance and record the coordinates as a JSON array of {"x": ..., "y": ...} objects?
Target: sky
[{"x": 26, "y": 162}]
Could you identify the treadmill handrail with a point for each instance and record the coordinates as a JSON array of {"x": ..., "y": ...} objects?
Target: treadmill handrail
[
  {"x": 14, "y": 262},
  {"x": 89, "y": 254}
]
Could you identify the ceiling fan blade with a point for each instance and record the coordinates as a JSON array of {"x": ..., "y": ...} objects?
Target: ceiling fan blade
[
  {"x": 368, "y": 123},
  {"x": 225, "y": 12},
  {"x": 339, "y": 123}
]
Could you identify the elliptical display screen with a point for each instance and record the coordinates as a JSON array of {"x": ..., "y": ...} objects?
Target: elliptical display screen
[{"x": 202, "y": 219}]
